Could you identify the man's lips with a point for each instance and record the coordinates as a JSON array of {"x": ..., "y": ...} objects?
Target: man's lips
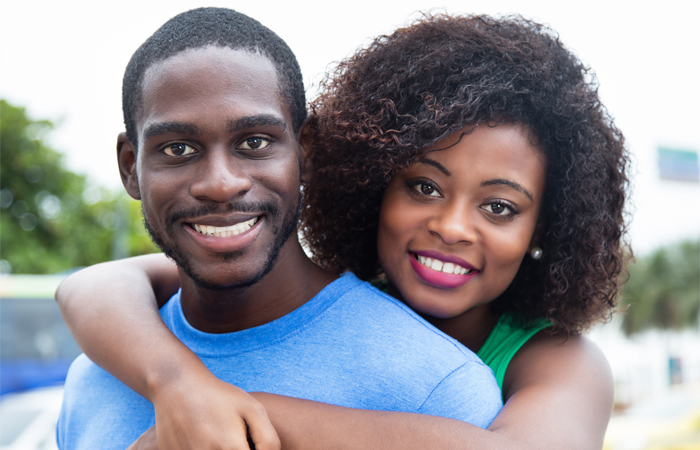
[
  {"x": 224, "y": 237},
  {"x": 225, "y": 231}
]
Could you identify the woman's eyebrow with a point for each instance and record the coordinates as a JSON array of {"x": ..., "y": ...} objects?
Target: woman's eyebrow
[
  {"x": 435, "y": 164},
  {"x": 512, "y": 184}
]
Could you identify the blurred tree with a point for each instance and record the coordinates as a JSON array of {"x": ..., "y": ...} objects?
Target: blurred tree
[
  {"x": 663, "y": 290},
  {"x": 50, "y": 219}
]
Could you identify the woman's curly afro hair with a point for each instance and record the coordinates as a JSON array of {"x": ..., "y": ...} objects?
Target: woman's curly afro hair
[{"x": 383, "y": 107}]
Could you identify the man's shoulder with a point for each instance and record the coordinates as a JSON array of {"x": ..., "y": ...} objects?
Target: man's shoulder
[
  {"x": 396, "y": 341},
  {"x": 392, "y": 336},
  {"x": 93, "y": 397},
  {"x": 384, "y": 314}
]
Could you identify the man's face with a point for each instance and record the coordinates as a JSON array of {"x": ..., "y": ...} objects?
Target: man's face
[{"x": 218, "y": 164}]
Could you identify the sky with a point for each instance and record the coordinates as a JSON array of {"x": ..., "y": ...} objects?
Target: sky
[{"x": 64, "y": 61}]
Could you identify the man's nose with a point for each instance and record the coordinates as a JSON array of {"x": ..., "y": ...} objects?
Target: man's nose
[
  {"x": 220, "y": 177},
  {"x": 454, "y": 223}
]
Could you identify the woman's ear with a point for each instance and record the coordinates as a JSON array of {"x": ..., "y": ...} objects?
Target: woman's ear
[
  {"x": 306, "y": 149},
  {"x": 537, "y": 234},
  {"x": 126, "y": 156}
]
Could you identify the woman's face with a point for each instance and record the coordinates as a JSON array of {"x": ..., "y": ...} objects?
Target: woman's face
[{"x": 455, "y": 226}]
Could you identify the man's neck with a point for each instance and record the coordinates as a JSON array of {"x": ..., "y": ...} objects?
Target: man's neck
[{"x": 293, "y": 281}]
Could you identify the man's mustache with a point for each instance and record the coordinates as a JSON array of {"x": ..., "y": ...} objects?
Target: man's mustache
[{"x": 269, "y": 207}]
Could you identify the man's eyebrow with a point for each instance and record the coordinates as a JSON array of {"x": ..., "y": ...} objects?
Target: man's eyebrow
[
  {"x": 435, "y": 164},
  {"x": 512, "y": 184},
  {"x": 261, "y": 120},
  {"x": 171, "y": 127}
]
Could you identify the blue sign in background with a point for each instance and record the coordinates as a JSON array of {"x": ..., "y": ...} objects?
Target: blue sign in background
[{"x": 679, "y": 165}]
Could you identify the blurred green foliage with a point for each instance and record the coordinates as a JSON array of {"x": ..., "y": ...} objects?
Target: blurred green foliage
[
  {"x": 50, "y": 218},
  {"x": 663, "y": 290}
]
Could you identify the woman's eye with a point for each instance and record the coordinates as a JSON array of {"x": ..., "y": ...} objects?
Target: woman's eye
[
  {"x": 426, "y": 189},
  {"x": 178, "y": 150},
  {"x": 500, "y": 209},
  {"x": 256, "y": 143}
]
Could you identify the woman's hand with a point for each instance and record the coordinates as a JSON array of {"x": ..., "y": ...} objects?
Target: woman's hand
[{"x": 207, "y": 413}]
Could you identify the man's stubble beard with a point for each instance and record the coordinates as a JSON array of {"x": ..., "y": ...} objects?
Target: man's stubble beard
[{"x": 282, "y": 235}]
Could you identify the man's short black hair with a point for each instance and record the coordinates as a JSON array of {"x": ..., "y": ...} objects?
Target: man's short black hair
[{"x": 220, "y": 27}]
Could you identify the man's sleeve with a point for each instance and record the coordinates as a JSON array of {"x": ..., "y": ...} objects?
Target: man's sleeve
[
  {"x": 99, "y": 412},
  {"x": 470, "y": 394}
]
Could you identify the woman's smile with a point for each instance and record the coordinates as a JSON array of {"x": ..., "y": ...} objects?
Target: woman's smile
[{"x": 440, "y": 270}]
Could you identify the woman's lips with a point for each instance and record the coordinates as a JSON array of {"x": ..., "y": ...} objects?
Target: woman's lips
[{"x": 441, "y": 272}]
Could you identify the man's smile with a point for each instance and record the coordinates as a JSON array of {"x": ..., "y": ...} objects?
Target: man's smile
[
  {"x": 227, "y": 231},
  {"x": 220, "y": 235}
]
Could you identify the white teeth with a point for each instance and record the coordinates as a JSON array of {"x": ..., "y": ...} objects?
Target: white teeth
[
  {"x": 440, "y": 266},
  {"x": 232, "y": 230}
]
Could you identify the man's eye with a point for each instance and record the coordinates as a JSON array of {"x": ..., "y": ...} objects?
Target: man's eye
[
  {"x": 255, "y": 143},
  {"x": 178, "y": 150},
  {"x": 500, "y": 209}
]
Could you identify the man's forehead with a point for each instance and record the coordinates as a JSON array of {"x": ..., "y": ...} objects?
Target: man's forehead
[
  {"x": 238, "y": 62},
  {"x": 221, "y": 77}
]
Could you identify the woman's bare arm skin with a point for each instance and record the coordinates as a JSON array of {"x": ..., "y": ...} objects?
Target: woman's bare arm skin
[
  {"x": 559, "y": 394},
  {"x": 112, "y": 311}
]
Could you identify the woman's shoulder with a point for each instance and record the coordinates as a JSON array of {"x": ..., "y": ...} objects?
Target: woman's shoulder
[
  {"x": 556, "y": 359},
  {"x": 505, "y": 340}
]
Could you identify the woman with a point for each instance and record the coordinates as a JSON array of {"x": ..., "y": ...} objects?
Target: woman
[{"x": 470, "y": 145}]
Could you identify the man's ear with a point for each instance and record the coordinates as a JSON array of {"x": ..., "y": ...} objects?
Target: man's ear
[
  {"x": 126, "y": 155},
  {"x": 306, "y": 149}
]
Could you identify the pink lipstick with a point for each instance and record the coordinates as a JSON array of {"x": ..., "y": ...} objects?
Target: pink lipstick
[{"x": 441, "y": 272}]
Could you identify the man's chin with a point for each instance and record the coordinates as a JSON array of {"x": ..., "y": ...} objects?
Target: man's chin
[{"x": 222, "y": 283}]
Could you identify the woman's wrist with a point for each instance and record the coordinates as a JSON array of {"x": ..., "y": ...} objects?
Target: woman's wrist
[{"x": 181, "y": 370}]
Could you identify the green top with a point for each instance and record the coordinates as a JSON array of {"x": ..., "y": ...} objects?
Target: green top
[{"x": 504, "y": 341}]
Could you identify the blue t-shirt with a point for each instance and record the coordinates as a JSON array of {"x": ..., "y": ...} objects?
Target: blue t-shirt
[{"x": 350, "y": 345}]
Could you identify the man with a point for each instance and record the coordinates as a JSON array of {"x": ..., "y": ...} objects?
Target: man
[{"x": 214, "y": 107}]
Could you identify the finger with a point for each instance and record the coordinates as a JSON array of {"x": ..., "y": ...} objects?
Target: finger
[
  {"x": 261, "y": 431},
  {"x": 147, "y": 441}
]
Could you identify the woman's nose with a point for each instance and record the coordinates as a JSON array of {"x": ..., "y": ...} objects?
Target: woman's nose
[{"x": 454, "y": 224}]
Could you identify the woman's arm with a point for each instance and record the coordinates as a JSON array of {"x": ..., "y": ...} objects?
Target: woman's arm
[
  {"x": 112, "y": 311},
  {"x": 559, "y": 396},
  {"x": 559, "y": 393}
]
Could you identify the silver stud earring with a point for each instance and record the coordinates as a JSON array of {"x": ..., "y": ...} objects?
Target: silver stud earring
[{"x": 536, "y": 253}]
